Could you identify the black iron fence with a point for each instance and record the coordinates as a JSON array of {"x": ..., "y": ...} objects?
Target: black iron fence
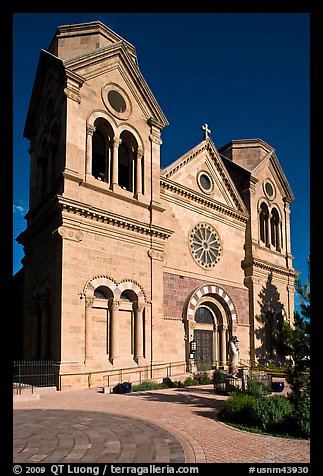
[
  {"x": 263, "y": 377},
  {"x": 35, "y": 373}
]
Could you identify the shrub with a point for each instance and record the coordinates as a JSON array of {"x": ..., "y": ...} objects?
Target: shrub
[
  {"x": 238, "y": 408},
  {"x": 298, "y": 424},
  {"x": 218, "y": 377},
  {"x": 271, "y": 413},
  {"x": 203, "y": 378},
  {"x": 147, "y": 385},
  {"x": 189, "y": 381}
]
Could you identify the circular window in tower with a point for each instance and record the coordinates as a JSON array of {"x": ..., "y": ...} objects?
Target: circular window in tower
[
  {"x": 269, "y": 189},
  {"x": 116, "y": 100},
  {"x": 205, "y": 182},
  {"x": 205, "y": 245}
]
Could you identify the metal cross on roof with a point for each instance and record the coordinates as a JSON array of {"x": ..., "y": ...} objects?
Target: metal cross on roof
[{"x": 206, "y": 130}]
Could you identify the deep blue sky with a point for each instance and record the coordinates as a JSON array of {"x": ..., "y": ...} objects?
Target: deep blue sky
[{"x": 247, "y": 75}]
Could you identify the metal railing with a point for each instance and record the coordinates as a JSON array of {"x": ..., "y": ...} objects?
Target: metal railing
[
  {"x": 35, "y": 373},
  {"x": 134, "y": 374}
]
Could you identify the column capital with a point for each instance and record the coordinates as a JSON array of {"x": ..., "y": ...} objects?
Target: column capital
[
  {"x": 89, "y": 301},
  {"x": 90, "y": 129},
  {"x": 140, "y": 153},
  {"x": 138, "y": 306},
  {"x": 113, "y": 305},
  {"x": 116, "y": 141}
]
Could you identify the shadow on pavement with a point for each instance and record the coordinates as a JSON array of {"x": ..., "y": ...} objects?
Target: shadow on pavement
[{"x": 194, "y": 396}]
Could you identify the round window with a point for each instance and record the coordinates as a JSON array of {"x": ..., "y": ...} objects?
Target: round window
[
  {"x": 205, "y": 245},
  {"x": 205, "y": 182},
  {"x": 269, "y": 189},
  {"x": 117, "y": 101}
]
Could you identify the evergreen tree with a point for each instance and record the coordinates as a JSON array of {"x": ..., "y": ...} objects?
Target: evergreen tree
[{"x": 297, "y": 344}]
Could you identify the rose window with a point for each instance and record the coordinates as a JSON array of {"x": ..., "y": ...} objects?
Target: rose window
[{"x": 205, "y": 245}]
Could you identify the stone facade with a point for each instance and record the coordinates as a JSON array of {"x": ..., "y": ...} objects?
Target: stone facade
[{"x": 126, "y": 264}]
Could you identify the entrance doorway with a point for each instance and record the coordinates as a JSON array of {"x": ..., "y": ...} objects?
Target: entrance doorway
[{"x": 204, "y": 349}]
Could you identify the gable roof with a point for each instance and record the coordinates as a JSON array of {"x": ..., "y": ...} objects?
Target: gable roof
[
  {"x": 173, "y": 171},
  {"x": 253, "y": 163},
  {"x": 95, "y": 63}
]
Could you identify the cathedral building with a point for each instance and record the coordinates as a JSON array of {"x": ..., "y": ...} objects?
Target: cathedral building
[{"x": 129, "y": 267}]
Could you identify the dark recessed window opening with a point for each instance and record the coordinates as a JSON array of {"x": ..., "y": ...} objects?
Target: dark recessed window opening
[
  {"x": 203, "y": 316},
  {"x": 117, "y": 101},
  {"x": 205, "y": 182}
]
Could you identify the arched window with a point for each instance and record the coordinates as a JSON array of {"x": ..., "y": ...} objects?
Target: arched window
[
  {"x": 102, "y": 150},
  {"x": 126, "y": 161},
  {"x": 275, "y": 229},
  {"x": 127, "y": 296},
  {"x": 125, "y": 168},
  {"x": 102, "y": 292},
  {"x": 203, "y": 316},
  {"x": 264, "y": 226}
]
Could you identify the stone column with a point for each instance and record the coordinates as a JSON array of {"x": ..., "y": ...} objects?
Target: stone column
[
  {"x": 138, "y": 173},
  {"x": 89, "y": 134},
  {"x": 88, "y": 327},
  {"x": 114, "y": 327},
  {"x": 155, "y": 141},
  {"x": 115, "y": 162},
  {"x": 138, "y": 328},
  {"x": 287, "y": 244},
  {"x": 223, "y": 356},
  {"x": 217, "y": 344}
]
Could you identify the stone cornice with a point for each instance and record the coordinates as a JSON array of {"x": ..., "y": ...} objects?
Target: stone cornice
[
  {"x": 270, "y": 267},
  {"x": 110, "y": 218},
  {"x": 198, "y": 198}
]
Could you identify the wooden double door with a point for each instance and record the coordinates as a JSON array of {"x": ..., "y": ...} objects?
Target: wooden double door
[{"x": 204, "y": 349}]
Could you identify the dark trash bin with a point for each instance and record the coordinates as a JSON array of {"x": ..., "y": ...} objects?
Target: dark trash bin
[
  {"x": 277, "y": 386},
  {"x": 124, "y": 387}
]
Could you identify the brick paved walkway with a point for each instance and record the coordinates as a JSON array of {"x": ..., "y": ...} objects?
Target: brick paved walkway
[{"x": 169, "y": 425}]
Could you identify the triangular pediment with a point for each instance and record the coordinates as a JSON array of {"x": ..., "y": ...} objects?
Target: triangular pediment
[
  {"x": 270, "y": 167},
  {"x": 202, "y": 171},
  {"x": 116, "y": 57}
]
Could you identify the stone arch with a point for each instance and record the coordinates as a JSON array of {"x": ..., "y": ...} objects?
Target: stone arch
[
  {"x": 128, "y": 128},
  {"x": 133, "y": 286},
  {"x": 261, "y": 201},
  {"x": 215, "y": 290},
  {"x": 101, "y": 280},
  {"x": 99, "y": 113}
]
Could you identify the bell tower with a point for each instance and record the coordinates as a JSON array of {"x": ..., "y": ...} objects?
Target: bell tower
[{"x": 95, "y": 134}]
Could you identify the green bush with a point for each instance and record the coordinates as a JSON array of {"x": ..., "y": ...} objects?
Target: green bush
[
  {"x": 190, "y": 381},
  {"x": 147, "y": 385},
  {"x": 276, "y": 414},
  {"x": 271, "y": 413},
  {"x": 218, "y": 377},
  {"x": 298, "y": 423},
  {"x": 238, "y": 408},
  {"x": 203, "y": 378}
]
